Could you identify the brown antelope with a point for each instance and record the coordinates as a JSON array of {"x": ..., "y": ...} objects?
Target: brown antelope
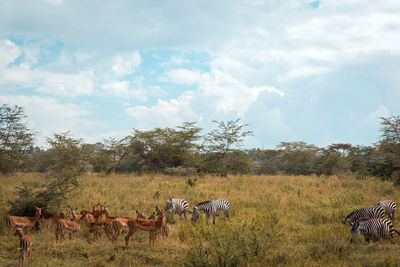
[
  {"x": 119, "y": 224},
  {"x": 48, "y": 219},
  {"x": 62, "y": 215},
  {"x": 95, "y": 212},
  {"x": 87, "y": 217},
  {"x": 164, "y": 231},
  {"x": 25, "y": 243},
  {"x": 97, "y": 227},
  {"x": 25, "y": 222},
  {"x": 63, "y": 226},
  {"x": 148, "y": 225}
]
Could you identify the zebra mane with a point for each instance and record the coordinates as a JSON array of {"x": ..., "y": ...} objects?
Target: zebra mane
[
  {"x": 204, "y": 202},
  {"x": 351, "y": 213}
]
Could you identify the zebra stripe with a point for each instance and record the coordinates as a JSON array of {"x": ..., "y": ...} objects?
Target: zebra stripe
[
  {"x": 177, "y": 206},
  {"x": 373, "y": 229},
  {"x": 389, "y": 206},
  {"x": 368, "y": 212},
  {"x": 211, "y": 208}
]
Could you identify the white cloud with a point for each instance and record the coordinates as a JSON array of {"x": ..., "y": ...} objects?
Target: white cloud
[
  {"x": 123, "y": 89},
  {"x": 166, "y": 113},
  {"x": 47, "y": 115},
  {"x": 182, "y": 76},
  {"x": 126, "y": 64},
  {"x": 217, "y": 94},
  {"x": 372, "y": 119},
  {"x": 8, "y": 52}
]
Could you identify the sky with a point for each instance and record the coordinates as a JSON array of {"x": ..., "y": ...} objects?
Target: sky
[{"x": 321, "y": 72}]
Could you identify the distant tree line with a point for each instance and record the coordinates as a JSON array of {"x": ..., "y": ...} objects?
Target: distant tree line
[{"x": 184, "y": 150}]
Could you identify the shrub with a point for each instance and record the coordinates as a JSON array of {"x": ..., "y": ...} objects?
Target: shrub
[{"x": 230, "y": 244}]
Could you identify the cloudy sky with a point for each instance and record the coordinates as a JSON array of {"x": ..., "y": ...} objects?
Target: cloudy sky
[{"x": 316, "y": 71}]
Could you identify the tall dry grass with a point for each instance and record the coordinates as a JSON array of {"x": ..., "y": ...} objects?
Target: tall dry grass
[{"x": 274, "y": 220}]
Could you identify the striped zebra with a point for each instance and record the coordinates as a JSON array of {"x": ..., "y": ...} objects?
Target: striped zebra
[
  {"x": 373, "y": 229},
  {"x": 212, "y": 208},
  {"x": 368, "y": 212},
  {"x": 389, "y": 206},
  {"x": 177, "y": 206}
]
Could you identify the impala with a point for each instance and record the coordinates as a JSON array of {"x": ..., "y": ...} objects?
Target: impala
[
  {"x": 66, "y": 226},
  {"x": 119, "y": 224},
  {"x": 48, "y": 219},
  {"x": 97, "y": 227},
  {"x": 25, "y": 222},
  {"x": 164, "y": 231},
  {"x": 25, "y": 243},
  {"x": 95, "y": 212},
  {"x": 87, "y": 217},
  {"x": 149, "y": 225}
]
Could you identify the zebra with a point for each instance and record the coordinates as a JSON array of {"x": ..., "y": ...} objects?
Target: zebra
[
  {"x": 368, "y": 212},
  {"x": 389, "y": 206},
  {"x": 373, "y": 229},
  {"x": 210, "y": 208},
  {"x": 177, "y": 206}
]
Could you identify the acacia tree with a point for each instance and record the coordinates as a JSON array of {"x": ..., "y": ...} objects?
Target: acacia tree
[
  {"x": 66, "y": 159},
  {"x": 118, "y": 150},
  {"x": 162, "y": 148},
  {"x": 15, "y": 138},
  {"x": 222, "y": 141},
  {"x": 389, "y": 147}
]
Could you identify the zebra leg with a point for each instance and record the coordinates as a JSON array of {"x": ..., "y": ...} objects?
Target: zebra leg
[
  {"x": 366, "y": 238},
  {"x": 207, "y": 217},
  {"x": 214, "y": 219},
  {"x": 226, "y": 214},
  {"x": 184, "y": 214}
]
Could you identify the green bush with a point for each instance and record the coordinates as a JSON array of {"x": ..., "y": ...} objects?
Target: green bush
[{"x": 230, "y": 244}]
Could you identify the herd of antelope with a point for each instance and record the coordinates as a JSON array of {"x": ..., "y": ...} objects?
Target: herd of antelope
[{"x": 112, "y": 226}]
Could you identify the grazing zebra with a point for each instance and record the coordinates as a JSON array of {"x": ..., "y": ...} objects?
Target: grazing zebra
[
  {"x": 368, "y": 212},
  {"x": 177, "y": 206},
  {"x": 373, "y": 229},
  {"x": 389, "y": 206},
  {"x": 210, "y": 208}
]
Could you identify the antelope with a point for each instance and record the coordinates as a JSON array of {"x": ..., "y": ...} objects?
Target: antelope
[
  {"x": 95, "y": 212},
  {"x": 119, "y": 224},
  {"x": 25, "y": 243},
  {"x": 25, "y": 222},
  {"x": 48, "y": 219},
  {"x": 97, "y": 226},
  {"x": 164, "y": 231},
  {"x": 78, "y": 217},
  {"x": 148, "y": 225},
  {"x": 63, "y": 226}
]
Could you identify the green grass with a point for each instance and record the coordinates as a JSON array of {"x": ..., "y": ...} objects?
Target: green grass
[{"x": 274, "y": 220}]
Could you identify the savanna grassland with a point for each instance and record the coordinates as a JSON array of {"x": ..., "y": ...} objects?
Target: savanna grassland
[{"x": 274, "y": 220}]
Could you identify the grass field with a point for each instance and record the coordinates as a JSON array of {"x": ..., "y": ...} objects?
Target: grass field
[{"x": 274, "y": 220}]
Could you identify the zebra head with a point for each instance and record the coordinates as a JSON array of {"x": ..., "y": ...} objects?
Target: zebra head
[
  {"x": 355, "y": 231},
  {"x": 169, "y": 206},
  {"x": 195, "y": 214},
  {"x": 349, "y": 219}
]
